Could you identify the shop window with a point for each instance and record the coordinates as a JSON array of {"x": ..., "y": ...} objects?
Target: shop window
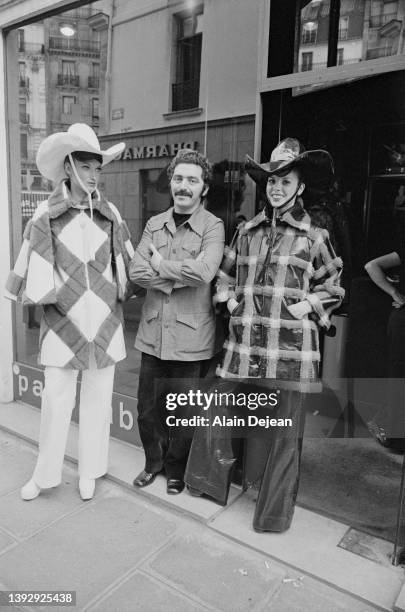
[
  {"x": 306, "y": 61},
  {"x": 67, "y": 104},
  {"x": 186, "y": 88},
  {"x": 372, "y": 30}
]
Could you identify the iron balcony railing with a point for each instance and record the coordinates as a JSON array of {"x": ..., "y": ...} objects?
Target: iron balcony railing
[
  {"x": 71, "y": 80},
  {"x": 61, "y": 43},
  {"x": 378, "y": 52},
  {"x": 185, "y": 95},
  {"x": 376, "y": 21},
  {"x": 34, "y": 48}
]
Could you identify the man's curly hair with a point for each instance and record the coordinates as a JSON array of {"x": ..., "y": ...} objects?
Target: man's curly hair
[{"x": 189, "y": 156}]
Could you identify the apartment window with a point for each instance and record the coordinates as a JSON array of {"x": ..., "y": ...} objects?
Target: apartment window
[
  {"x": 186, "y": 88},
  {"x": 22, "y": 106},
  {"x": 24, "y": 145},
  {"x": 340, "y": 60},
  {"x": 325, "y": 9},
  {"x": 95, "y": 112},
  {"x": 306, "y": 63},
  {"x": 343, "y": 28},
  {"x": 94, "y": 78},
  {"x": 68, "y": 76},
  {"x": 21, "y": 40},
  {"x": 67, "y": 103},
  {"x": 309, "y": 32},
  {"x": 347, "y": 5},
  {"x": 22, "y": 74}
]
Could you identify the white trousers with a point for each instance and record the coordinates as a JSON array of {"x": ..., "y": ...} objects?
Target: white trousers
[{"x": 58, "y": 401}]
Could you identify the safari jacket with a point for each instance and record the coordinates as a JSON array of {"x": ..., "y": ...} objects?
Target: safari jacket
[{"x": 178, "y": 321}]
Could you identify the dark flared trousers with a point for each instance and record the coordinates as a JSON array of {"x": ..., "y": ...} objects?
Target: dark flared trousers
[
  {"x": 272, "y": 463},
  {"x": 391, "y": 417},
  {"x": 162, "y": 450}
]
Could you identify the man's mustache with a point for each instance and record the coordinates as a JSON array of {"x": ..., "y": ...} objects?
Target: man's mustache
[{"x": 183, "y": 192}]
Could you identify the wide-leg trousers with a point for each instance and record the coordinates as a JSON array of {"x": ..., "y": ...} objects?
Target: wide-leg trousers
[
  {"x": 272, "y": 462},
  {"x": 58, "y": 401}
]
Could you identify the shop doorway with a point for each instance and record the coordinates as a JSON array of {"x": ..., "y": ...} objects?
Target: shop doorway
[{"x": 361, "y": 122}]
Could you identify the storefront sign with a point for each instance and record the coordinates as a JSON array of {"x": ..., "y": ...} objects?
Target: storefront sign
[
  {"x": 159, "y": 150},
  {"x": 29, "y": 383}
]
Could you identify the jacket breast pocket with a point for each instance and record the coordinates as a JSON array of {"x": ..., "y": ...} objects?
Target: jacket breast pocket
[
  {"x": 191, "y": 249},
  {"x": 161, "y": 242}
]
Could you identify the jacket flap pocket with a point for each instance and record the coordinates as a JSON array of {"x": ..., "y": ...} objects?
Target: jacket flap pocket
[
  {"x": 188, "y": 319},
  {"x": 160, "y": 240},
  {"x": 192, "y": 248},
  {"x": 151, "y": 314}
]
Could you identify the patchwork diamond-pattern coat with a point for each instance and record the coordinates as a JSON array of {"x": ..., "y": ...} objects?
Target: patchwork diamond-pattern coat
[
  {"x": 76, "y": 267},
  {"x": 266, "y": 271}
]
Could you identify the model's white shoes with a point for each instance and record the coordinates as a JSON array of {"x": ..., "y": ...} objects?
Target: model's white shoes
[
  {"x": 30, "y": 490},
  {"x": 86, "y": 488}
]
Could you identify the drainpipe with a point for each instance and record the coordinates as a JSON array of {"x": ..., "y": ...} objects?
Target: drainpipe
[{"x": 107, "y": 92}]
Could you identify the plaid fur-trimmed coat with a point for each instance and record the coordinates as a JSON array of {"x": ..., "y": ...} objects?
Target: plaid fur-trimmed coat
[
  {"x": 76, "y": 268},
  {"x": 265, "y": 339}
]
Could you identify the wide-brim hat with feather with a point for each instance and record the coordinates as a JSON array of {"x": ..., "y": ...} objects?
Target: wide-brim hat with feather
[
  {"x": 316, "y": 166},
  {"x": 79, "y": 137}
]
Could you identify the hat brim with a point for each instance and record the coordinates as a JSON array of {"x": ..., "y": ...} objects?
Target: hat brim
[
  {"x": 316, "y": 167},
  {"x": 53, "y": 150}
]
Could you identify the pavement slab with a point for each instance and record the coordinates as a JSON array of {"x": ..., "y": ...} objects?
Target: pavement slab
[
  {"x": 92, "y": 547},
  {"x": 219, "y": 573},
  {"x": 311, "y": 544},
  {"x": 142, "y": 592}
]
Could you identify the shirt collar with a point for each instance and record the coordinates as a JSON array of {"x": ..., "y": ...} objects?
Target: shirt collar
[
  {"x": 60, "y": 201},
  {"x": 295, "y": 216},
  {"x": 196, "y": 221}
]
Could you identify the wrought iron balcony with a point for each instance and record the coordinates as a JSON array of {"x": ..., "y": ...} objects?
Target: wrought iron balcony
[
  {"x": 376, "y": 21},
  {"x": 31, "y": 48},
  {"x": 63, "y": 44},
  {"x": 68, "y": 80},
  {"x": 378, "y": 52},
  {"x": 185, "y": 95}
]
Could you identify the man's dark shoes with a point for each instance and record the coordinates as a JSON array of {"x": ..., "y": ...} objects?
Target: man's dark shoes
[
  {"x": 174, "y": 486},
  {"x": 144, "y": 479}
]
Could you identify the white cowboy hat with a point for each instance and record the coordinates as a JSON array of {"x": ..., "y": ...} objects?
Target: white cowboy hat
[{"x": 79, "y": 137}]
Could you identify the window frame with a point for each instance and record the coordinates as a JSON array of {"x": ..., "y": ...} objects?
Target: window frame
[{"x": 328, "y": 74}]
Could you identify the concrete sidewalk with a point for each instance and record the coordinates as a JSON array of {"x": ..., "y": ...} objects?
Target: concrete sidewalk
[{"x": 143, "y": 550}]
